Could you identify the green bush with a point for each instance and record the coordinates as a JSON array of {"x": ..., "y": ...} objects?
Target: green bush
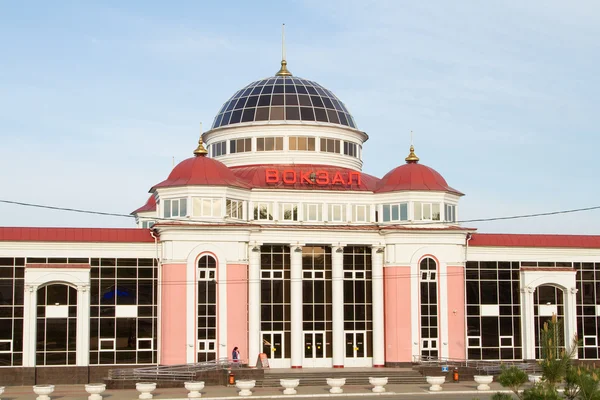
[{"x": 501, "y": 396}]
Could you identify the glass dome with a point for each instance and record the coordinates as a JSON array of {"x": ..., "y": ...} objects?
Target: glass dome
[{"x": 284, "y": 98}]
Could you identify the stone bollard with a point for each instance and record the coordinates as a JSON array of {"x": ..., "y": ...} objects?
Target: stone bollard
[
  {"x": 43, "y": 391},
  {"x": 435, "y": 382},
  {"x": 1, "y": 390},
  {"x": 145, "y": 389},
  {"x": 95, "y": 390},
  {"x": 483, "y": 381},
  {"x": 289, "y": 385},
  {"x": 336, "y": 384},
  {"x": 194, "y": 388},
  {"x": 245, "y": 387},
  {"x": 378, "y": 384}
]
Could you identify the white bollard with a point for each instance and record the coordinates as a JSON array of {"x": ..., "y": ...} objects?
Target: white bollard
[
  {"x": 289, "y": 385},
  {"x": 1, "y": 390},
  {"x": 483, "y": 381},
  {"x": 435, "y": 382},
  {"x": 245, "y": 387},
  {"x": 378, "y": 384},
  {"x": 43, "y": 391},
  {"x": 194, "y": 388},
  {"x": 145, "y": 389},
  {"x": 95, "y": 390},
  {"x": 336, "y": 384}
]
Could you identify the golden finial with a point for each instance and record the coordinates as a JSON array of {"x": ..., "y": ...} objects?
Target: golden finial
[
  {"x": 283, "y": 71},
  {"x": 412, "y": 157},
  {"x": 200, "y": 150}
]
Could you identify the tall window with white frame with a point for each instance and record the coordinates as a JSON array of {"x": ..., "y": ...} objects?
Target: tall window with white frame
[
  {"x": 235, "y": 209},
  {"x": 12, "y": 272},
  {"x": 123, "y": 311},
  {"x": 288, "y": 211},
  {"x": 263, "y": 211},
  {"x": 395, "y": 212},
  {"x": 207, "y": 309},
  {"x": 426, "y": 211},
  {"x": 588, "y": 309},
  {"x": 360, "y": 213},
  {"x": 428, "y": 277},
  {"x": 316, "y": 302},
  {"x": 358, "y": 311},
  {"x": 275, "y": 303},
  {"x": 56, "y": 325}
]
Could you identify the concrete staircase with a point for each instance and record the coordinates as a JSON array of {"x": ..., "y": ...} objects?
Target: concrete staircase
[{"x": 356, "y": 377}]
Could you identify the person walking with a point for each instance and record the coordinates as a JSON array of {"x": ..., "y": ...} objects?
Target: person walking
[{"x": 235, "y": 354}]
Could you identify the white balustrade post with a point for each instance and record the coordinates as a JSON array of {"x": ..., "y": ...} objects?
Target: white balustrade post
[
  {"x": 296, "y": 305},
  {"x": 337, "y": 305},
  {"x": 377, "y": 304},
  {"x": 253, "y": 304}
]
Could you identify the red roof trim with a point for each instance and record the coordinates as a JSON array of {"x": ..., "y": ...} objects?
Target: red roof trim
[
  {"x": 64, "y": 266},
  {"x": 86, "y": 235},
  {"x": 535, "y": 240}
]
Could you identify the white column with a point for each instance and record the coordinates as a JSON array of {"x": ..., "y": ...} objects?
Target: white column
[
  {"x": 29, "y": 325},
  {"x": 377, "y": 304},
  {"x": 337, "y": 304},
  {"x": 296, "y": 305},
  {"x": 253, "y": 304},
  {"x": 83, "y": 326},
  {"x": 570, "y": 317},
  {"x": 527, "y": 323}
]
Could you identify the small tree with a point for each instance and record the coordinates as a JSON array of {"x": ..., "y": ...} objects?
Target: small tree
[{"x": 513, "y": 378}]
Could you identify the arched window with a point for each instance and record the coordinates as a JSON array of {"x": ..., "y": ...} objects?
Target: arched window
[
  {"x": 428, "y": 278},
  {"x": 207, "y": 308}
]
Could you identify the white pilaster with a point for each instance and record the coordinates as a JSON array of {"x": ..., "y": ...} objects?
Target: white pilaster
[
  {"x": 253, "y": 304},
  {"x": 528, "y": 323},
  {"x": 29, "y": 325},
  {"x": 377, "y": 304},
  {"x": 570, "y": 317},
  {"x": 443, "y": 317},
  {"x": 337, "y": 304},
  {"x": 296, "y": 305},
  {"x": 83, "y": 326}
]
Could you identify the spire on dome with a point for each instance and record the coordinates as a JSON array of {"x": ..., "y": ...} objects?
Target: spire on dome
[
  {"x": 200, "y": 150},
  {"x": 283, "y": 71},
  {"x": 412, "y": 157}
]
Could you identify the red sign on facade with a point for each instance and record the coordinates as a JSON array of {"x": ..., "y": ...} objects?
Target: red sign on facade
[{"x": 318, "y": 177}]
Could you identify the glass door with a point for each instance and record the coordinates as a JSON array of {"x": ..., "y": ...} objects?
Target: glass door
[
  {"x": 315, "y": 349},
  {"x": 429, "y": 349},
  {"x": 356, "y": 344},
  {"x": 273, "y": 346}
]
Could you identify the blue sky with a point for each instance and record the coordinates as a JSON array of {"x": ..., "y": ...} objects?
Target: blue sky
[{"x": 96, "y": 98}]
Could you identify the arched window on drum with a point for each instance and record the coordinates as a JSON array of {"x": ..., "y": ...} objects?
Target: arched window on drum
[
  {"x": 207, "y": 309},
  {"x": 428, "y": 279}
]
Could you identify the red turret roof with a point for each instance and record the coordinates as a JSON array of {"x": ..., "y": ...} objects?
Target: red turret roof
[
  {"x": 201, "y": 171},
  {"x": 414, "y": 176},
  {"x": 149, "y": 206}
]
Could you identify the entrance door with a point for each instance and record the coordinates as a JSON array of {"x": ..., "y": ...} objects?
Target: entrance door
[
  {"x": 356, "y": 344},
  {"x": 315, "y": 350},
  {"x": 273, "y": 346},
  {"x": 429, "y": 349}
]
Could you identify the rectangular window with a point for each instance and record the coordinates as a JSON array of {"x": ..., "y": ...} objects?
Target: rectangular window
[
  {"x": 337, "y": 213},
  {"x": 427, "y": 211},
  {"x": 506, "y": 341},
  {"x": 474, "y": 341},
  {"x": 361, "y": 213},
  {"x": 395, "y": 212},
  {"x": 304, "y": 143},
  {"x": 6, "y": 345},
  {"x": 235, "y": 209},
  {"x": 219, "y": 149},
  {"x": 350, "y": 149},
  {"x": 263, "y": 211},
  {"x": 106, "y": 344},
  {"x": 175, "y": 208},
  {"x": 269, "y": 144},
  {"x": 145, "y": 344},
  {"x": 204, "y": 207},
  {"x": 240, "y": 145},
  {"x": 450, "y": 213},
  {"x": 147, "y": 224},
  {"x": 330, "y": 145},
  {"x": 288, "y": 212},
  {"x": 313, "y": 212}
]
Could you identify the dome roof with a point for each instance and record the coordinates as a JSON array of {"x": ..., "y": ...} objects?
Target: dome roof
[
  {"x": 414, "y": 176},
  {"x": 283, "y": 98},
  {"x": 201, "y": 170}
]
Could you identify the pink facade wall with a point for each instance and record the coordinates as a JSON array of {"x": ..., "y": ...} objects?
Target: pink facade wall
[
  {"x": 397, "y": 300},
  {"x": 173, "y": 312},
  {"x": 237, "y": 308},
  {"x": 456, "y": 312}
]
